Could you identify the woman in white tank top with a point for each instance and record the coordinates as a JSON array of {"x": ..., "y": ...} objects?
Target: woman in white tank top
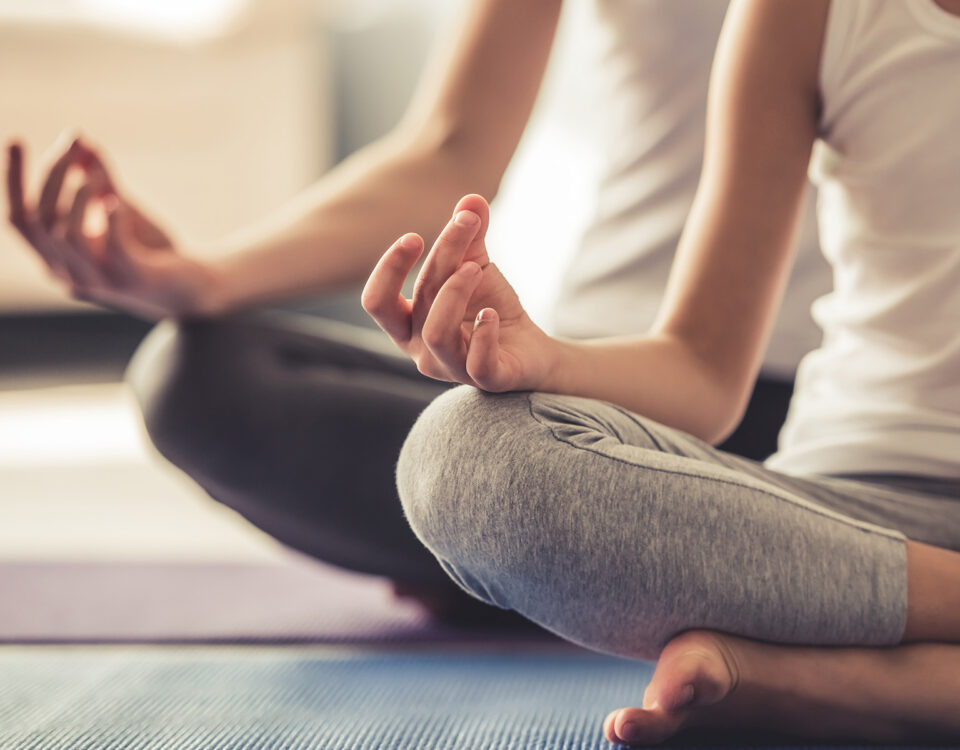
[{"x": 850, "y": 536}]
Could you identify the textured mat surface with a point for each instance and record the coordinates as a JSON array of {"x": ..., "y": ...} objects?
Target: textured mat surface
[
  {"x": 175, "y": 699},
  {"x": 299, "y": 601}
]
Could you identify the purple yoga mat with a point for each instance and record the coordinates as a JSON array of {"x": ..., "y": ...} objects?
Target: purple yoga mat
[{"x": 138, "y": 602}]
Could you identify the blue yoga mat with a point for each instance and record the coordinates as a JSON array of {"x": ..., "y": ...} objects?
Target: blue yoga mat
[{"x": 175, "y": 699}]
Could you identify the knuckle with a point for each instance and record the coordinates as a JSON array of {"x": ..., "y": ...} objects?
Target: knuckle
[
  {"x": 433, "y": 371},
  {"x": 455, "y": 235},
  {"x": 434, "y": 338},
  {"x": 426, "y": 367},
  {"x": 479, "y": 371},
  {"x": 370, "y": 303},
  {"x": 425, "y": 289},
  {"x": 20, "y": 221}
]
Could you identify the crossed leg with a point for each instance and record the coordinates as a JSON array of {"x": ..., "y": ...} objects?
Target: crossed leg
[
  {"x": 777, "y": 603},
  {"x": 909, "y": 692}
]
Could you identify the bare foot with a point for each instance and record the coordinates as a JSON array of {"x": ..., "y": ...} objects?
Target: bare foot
[{"x": 712, "y": 680}]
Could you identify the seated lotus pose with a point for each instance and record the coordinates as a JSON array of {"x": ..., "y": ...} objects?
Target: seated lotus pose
[
  {"x": 295, "y": 421},
  {"x": 574, "y": 481}
]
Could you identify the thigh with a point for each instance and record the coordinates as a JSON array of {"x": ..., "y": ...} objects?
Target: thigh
[
  {"x": 295, "y": 422},
  {"x": 618, "y": 532},
  {"x": 924, "y": 509}
]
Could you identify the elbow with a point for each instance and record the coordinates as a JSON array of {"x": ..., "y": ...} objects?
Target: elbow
[
  {"x": 719, "y": 385},
  {"x": 467, "y": 158},
  {"x": 730, "y": 407},
  {"x": 720, "y": 430}
]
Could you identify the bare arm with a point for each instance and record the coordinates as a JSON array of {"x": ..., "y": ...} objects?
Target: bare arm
[
  {"x": 458, "y": 134},
  {"x": 696, "y": 368}
]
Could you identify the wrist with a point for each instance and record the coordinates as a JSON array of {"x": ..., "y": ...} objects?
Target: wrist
[
  {"x": 212, "y": 294},
  {"x": 559, "y": 357}
]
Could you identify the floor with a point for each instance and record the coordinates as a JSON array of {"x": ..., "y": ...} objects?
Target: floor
[{"x": 78, "y": 479}]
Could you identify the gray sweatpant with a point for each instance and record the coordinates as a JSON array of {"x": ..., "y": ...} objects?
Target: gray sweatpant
[{"x": 617, "y": 533}]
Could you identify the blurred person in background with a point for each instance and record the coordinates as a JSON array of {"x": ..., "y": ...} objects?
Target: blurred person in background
[{"x": 296, "y": 422}]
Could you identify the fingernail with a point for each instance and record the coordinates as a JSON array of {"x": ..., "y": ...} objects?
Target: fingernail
[
  {"x": 409, "y": 241},
  {"x": 469, "y": 269},
  {"x": 484, "y": 315},
  {"x": 466, "y": 219}
]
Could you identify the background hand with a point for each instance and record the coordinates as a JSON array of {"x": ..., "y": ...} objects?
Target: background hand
[
  {"x": 97, "y": 243},
  {"x": 465, "y": 323}
]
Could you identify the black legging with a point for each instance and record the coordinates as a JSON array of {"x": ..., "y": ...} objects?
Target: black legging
[{"x": 296, "y": 422}]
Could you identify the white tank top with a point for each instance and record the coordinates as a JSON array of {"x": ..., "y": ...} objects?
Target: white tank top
[
  {"x": 648, "y": 110},
  {"x": 882, "y": 394}
]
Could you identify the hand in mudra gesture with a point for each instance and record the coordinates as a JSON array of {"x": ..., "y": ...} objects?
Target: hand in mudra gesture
[
  {"x": 465, "y": 323},
  {"x": 124, "y": 261}
]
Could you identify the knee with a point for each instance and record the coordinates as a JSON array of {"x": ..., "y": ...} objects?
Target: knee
[
  {"x": 525, "y": 501},
  {"x": 460, "y": 479},
  {"x": 177, "y": 376},
  {"x": 439, "y": 466}
]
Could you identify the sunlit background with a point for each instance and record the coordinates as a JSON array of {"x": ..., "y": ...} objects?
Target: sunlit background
[{"x": 213, "y": 112}]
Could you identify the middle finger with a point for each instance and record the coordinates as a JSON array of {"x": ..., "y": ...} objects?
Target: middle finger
[
  {"x": 443, "y": 329},
  {"x": 444, "y": 258}
]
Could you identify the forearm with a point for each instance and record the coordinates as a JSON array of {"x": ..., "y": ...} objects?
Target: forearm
[
  {"x": 332, "y": 235},
  {"x": 657, "y": 376},
  {"x": 696, "y": 370},
  {"x": 457, "y": 137}
]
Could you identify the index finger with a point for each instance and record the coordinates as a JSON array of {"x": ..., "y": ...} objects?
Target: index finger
[
  {"x": 18, "y": 209},
  {"x": 50, "y": 194},
  {"x": 382, "y": 296}
]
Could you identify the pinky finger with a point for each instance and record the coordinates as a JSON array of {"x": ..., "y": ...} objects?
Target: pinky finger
[{"x": 483, "y": 354}]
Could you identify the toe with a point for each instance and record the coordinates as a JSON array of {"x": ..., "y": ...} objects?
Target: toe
[
  {"x": 692, "y": 670},
  {"x": 643, "y": 726},
  {"x": 608, "y": 726}
]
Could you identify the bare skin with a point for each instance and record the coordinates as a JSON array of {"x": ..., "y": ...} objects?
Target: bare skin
[
  {"x": 907, "y": 693},
  {"x": 910, "y": 693}
]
